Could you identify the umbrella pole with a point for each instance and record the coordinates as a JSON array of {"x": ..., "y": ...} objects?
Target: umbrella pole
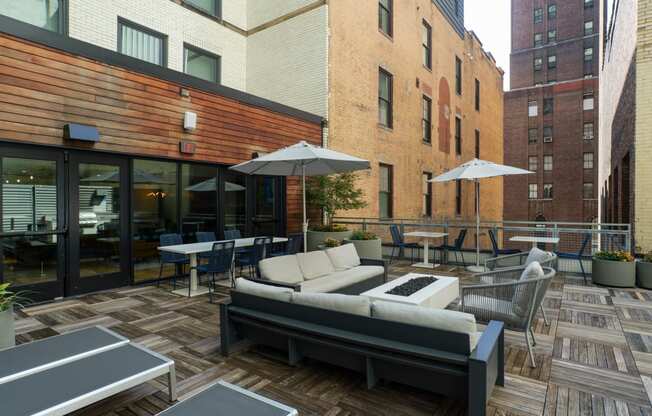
[
  {"x": 477, "y": 223},
  {"x": 304, "y": 225}
]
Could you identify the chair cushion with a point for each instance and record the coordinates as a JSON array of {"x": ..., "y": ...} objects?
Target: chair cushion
[
  {"x": 315, "y": 264},
  {"x": 522, "y": 295},
  {"x": 343, "y": 257},
  {"x": 281, "y": 269},
  {"x": 532, "y": 271},
  {"x": 264, "y": 291},
  {"x": 338, "y": 280},
  {"x": 441, "y": 319},
  {"x": 356, "y": 305},
  {"x": 536, "y": 254}
]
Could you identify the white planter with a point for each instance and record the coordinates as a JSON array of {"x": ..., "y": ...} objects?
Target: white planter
[
  {"x": 368, "y": 249},
  {"x": 315, "y": 238},
  {"x": 7, "y": 330}
]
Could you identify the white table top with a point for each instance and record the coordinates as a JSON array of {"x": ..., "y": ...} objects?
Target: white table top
[
  {"x": 195, "y": 248},
  {"x": 534, "y": 239},
  {"x": 425, "y": 234}
]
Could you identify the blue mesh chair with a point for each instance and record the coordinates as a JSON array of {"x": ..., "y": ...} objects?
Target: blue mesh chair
[
  {"x": 579, "y": 256},
  {"x": 398, "y": 242},
  {"x": 232, "y": 234},
  {"x": 294, "y": 245},
  {"x": 220, "y": 261},
  {"x": 178, "y": 260},
  {"x": 261, "y": 249},
  {"x": 456, "y": 248},
  {"x": 205, "y": 237},
  {"x": 500, "y": 251}
]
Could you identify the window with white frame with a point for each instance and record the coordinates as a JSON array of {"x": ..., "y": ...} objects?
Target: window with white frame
[
  {"x": 588, "y": 103},
  {"x": 532, "y": 108},
  {"x": 533, "y": 191},
  {"x": 588, "y": 131},
  {"x": 588, "y": 160},
  {"x": 533, "y": 163},
  {"x": 547, "y": 163}
]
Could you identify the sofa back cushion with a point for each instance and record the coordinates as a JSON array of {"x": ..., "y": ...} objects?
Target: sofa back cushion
[
  {"x": 344, "y": 257},
  {"x": 356, "y": 305},
  {"x": 281, "y": 269},
  {"x": 536, "y": 254},
  {"x": 441, "y": 319},
  {"x": 315, "y": 264},
  {"x": 264, "y": 291}
]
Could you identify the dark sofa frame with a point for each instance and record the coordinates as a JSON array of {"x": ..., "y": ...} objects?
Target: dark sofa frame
[
  {"x": 354, "y": 289},
  {"x": 434, "y": 360}
]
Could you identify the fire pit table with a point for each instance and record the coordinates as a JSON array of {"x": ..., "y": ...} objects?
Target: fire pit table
[{"x": 418, "y": 289}]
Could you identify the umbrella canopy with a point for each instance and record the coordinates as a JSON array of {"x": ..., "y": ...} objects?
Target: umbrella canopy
[
  {"x": 302, "y": 159},
  {"x": 210, "y": 185},
  {"x": 475, "y": 170}
]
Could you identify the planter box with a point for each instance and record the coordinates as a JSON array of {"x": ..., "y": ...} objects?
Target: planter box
[
  {"x": 7, "y": 330},
  {"x": 644, "y": 274},
  {"x": 368, "y": 249},
  {"x": 315, "y": 238},
  {"x": 614, "y": 273}
]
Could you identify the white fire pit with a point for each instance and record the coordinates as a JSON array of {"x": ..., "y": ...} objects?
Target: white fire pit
[{"x": 436, "y": 295}]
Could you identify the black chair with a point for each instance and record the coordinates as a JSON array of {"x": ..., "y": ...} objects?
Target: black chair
[
  {"x": 178, "y": 260},
  {"x": 398, "y": 242},
  {"x": 232, "y": 234},
  {"x": 294, "y": 245},
  {"x": 456, "y": 248},
  {"x": 499, "y": 251},
  {"x": 220, "y": 261},
  {"x": 579, "y": 256},
  {"x": 262, "y": 247},
  {"x": 204, "y": 237}
]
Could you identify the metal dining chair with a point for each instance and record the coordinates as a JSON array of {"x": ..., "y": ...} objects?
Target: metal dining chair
[
  {"x": 294, "y": 245},
  {"x": 579, "y": 256},
  {"x": 500, "y": 251},
  {"x": 398, "y": 242},
  {"x": 260, "y": 251},
  {"x": 220, "y": 261},
  {"x": 204, "y": 237},
  {"x": 177, "y": 260},
  {"x": 455, "y": 248}
]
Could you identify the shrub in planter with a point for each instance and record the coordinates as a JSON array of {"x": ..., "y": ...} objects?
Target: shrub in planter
[
  {"x": 8, "y": 301},
  {"x": 329, "y": 243},
  {"x": 367, "y": 244},
  {"x": 644, "y": 272},
  {"x": 614, "y": 268}
]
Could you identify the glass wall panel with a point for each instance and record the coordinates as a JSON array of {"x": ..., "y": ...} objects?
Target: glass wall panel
[
  {"x": 28, "y": 190},
  {"x": 45, "y": 14},
  {"x": 202, "y": 64},
  {"x": 141, "y": 44},
  {"x": 198, "y": 200},
  {"x": 264, "y": 220},
  {"x": 154, "y": 213},
  {"x": 235, "y": 202}
]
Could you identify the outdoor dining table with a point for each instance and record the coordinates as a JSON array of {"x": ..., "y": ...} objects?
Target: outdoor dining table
[
  {"x": 426, "y": 236},
  {"x": 193, "y": 249},
  {"x": 534, "y": 240}
]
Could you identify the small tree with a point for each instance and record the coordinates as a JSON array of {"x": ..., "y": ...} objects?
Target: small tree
[{"x": 334, "y": 193}]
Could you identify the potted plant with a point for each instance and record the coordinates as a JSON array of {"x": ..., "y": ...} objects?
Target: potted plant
[
  {"x": 8, "y": 300},
  {"x": 644, "y": 271},
  {"x": 614, "y": 268},
  {"x": 329, "y": 243},
  {"x": 332, "y": 194},
  {"x": 368, "y": 245}
]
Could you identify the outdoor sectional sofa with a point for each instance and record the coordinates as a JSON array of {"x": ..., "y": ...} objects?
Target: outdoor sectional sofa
[
  {"x": 435, "y": 350},
  {"x": 336, "y": 270}
]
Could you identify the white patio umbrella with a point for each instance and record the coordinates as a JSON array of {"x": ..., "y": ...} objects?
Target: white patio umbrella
[
  {"x": 302, "y": 159},
  {"x": 475, "y": 170}
]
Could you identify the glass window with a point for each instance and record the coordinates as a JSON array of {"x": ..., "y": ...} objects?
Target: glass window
[
  {"x": 533, "y": 163},
  {"x": 588, "y": 4},
  {"x": 552, "y": 61},
  {"x": 458, "y": 135},
  {"x": 477, "y": 95},
  {"x": 426, "y": 191},
  {"x": 199, "y": 199},
  {"x": 477, "y": 144},
  {"x": 533, "y": 191},
  {"x": 547, "y": 191},
  {"x": 208, "y": 6},
  {"x": 538, "y": 40},
  {"x": 547, "y": 134},
  {"x": 588, "y": 54},
  {"x": 458, "y": 197},
  {"x": 547, "y": 163},
  {"x": 548, "y": 105},
  {"x": 265, "y": 216},
  {"x": 588, "y": 160},
  {"x": 588, "y": 131},
  {"x": 154, "y": 213},
  {"x": 532, "y": 135},
  {"x": 532, "y": 108},
  {"x": 588, "y": 28},
  {"x": 385, "y": 93},
  {"x": 201, "y": 64},
  {"x": 426, "y": 122},
  {"x": 141, "y": 43},
  {"x": 235, "y": 202},
  {"x": 46, "y": 14},
  {"x": 385, "y": 16},
  {"x": 552, "y": 36},
  {"x": 385, "y": 193},
  {"x": 552, "y": 11},
  {"x": 588, "y": 104},
  {"x": 538, "y": 15},
  {"x": 538, "y": 63},
  {"x": 587, "y": 191},
  {"x": 458, "y": 76},
  {"x": 426, "y": 42}
]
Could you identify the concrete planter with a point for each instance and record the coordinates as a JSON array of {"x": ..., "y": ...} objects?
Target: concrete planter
[
  {"x": 614, "y": 273},
  {"x": 7, "y": 330},
  {"x": 368, "y": 249},
  {"x": 315, "y": 238},
  {"x": 644, "y": 274}
]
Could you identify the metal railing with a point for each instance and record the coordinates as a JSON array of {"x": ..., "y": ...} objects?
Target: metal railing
[{"x": 603, "y": 236}]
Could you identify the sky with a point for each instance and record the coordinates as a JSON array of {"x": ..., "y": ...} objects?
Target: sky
[{"x": 490, "y": 20}]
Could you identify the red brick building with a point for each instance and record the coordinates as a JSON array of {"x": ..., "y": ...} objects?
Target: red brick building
[{"x": 551, "y": 111}]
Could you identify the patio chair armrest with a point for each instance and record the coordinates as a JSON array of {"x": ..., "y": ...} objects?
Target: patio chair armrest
[
  {"x": 488, "y": 357},
  {"x": 494, "y": 263},
  {"x": 294, "y": 286},
  {"x": 376, "y": 262}
]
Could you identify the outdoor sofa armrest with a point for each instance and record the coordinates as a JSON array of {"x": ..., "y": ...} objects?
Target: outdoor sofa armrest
[
  {"x": 375, "y": 262},
  {"x": 295, "y": 286},
  {"x": 486, "y": 366}
]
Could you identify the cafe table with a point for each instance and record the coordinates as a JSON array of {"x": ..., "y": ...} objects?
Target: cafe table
[{"x": 426, "y": 236}]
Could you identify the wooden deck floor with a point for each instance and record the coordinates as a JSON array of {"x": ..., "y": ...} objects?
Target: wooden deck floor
[{"x": 594, "y": 359}]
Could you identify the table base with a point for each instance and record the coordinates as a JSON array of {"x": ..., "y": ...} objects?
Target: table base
[
  {"x": 201, "y": 290},
  {"x": 426, "y": 265},
  {"x": 476, "y": 269}
]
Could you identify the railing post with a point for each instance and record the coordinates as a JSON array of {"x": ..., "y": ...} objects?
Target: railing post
[{"x": 364, "y": 224}]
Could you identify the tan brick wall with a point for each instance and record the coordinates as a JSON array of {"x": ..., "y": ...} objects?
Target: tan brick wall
[{"x": 356, "y": 50}]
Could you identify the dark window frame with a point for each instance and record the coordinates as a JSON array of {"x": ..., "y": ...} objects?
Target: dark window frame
[
  {"x": 136, "y": 26},
  {"x": 548, "y": 191},
  {"x": 554, "y": 37},
  {"x": 390, "y": 193},
  {"x": 552, "y": 11},
  {"x": 458, "y": 75},
  {"x": 389, "y": 101},
  {"x": 63, "y": 20},
  {"x": 538, "y": 15},
  {"x": 592, "y": 31},
  {"x": 538, "y": 42},
  {"x": 216, "y": 12},
  {"x": 390, "y": 21},
  {"x": 537, "y": 63},
  {"x": 552, "y": 64},
  {"x": 426, "y": 123},
  {"x": 218, "y": 58},
  {"x": 458, "y": 197},
  {"x": 458, "y": 135},
  {"x": 427, "y": 48},
  {"x": 477, "y": 144},
  {"x": 477, "y": 94},
  {"x": 533, "y": 138},
  {"x": 427, "y": 196},
  {"x": 548, "y": 105}
]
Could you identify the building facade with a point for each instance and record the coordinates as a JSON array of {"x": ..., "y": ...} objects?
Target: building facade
[
  {"x": 625, "y": 131},
  {"x": 551, "y": 111}
]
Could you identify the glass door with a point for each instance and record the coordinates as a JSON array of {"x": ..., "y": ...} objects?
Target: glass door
[
  {"x": 265, "y": 219},
  {"x": 32, "y": 226},
  {"x": 99, "y": 242}
]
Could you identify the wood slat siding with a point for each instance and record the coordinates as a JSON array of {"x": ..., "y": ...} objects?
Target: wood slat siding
[{"x": 42, "y": 89}]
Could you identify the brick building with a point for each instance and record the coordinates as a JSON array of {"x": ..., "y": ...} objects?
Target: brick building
[
  {"x": 551, "y": 111},
  {"x": 625, "y": 144}
]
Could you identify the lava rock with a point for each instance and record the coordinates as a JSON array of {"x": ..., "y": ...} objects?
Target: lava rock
[{"x": 412, "y": 286}]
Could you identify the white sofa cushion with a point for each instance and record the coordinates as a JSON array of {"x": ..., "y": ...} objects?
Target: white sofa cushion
[
  {"x": 338, "y": 280},
  {"x": 442, "y": 319},
  {"x": 536, "y": 254},
  {"x": 356, "y": 305},
  {"x": 344, "y": 257},
  {"x": 281, "y": 269},
  {"x": 264, "y": 291},
  {"x": 315, "y": 264}
]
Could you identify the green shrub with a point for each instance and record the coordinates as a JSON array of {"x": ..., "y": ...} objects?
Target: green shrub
[
  {"x": 648, "y": 257},
  {"x": 332, "y": 194},
  {"x": 614, "y": 256},
  {"x": 331, "y": 242},
  {"x": 363, "y": 235},
  {"x": 9, "y": 299},
  {"x": 335, "y": 228}
]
